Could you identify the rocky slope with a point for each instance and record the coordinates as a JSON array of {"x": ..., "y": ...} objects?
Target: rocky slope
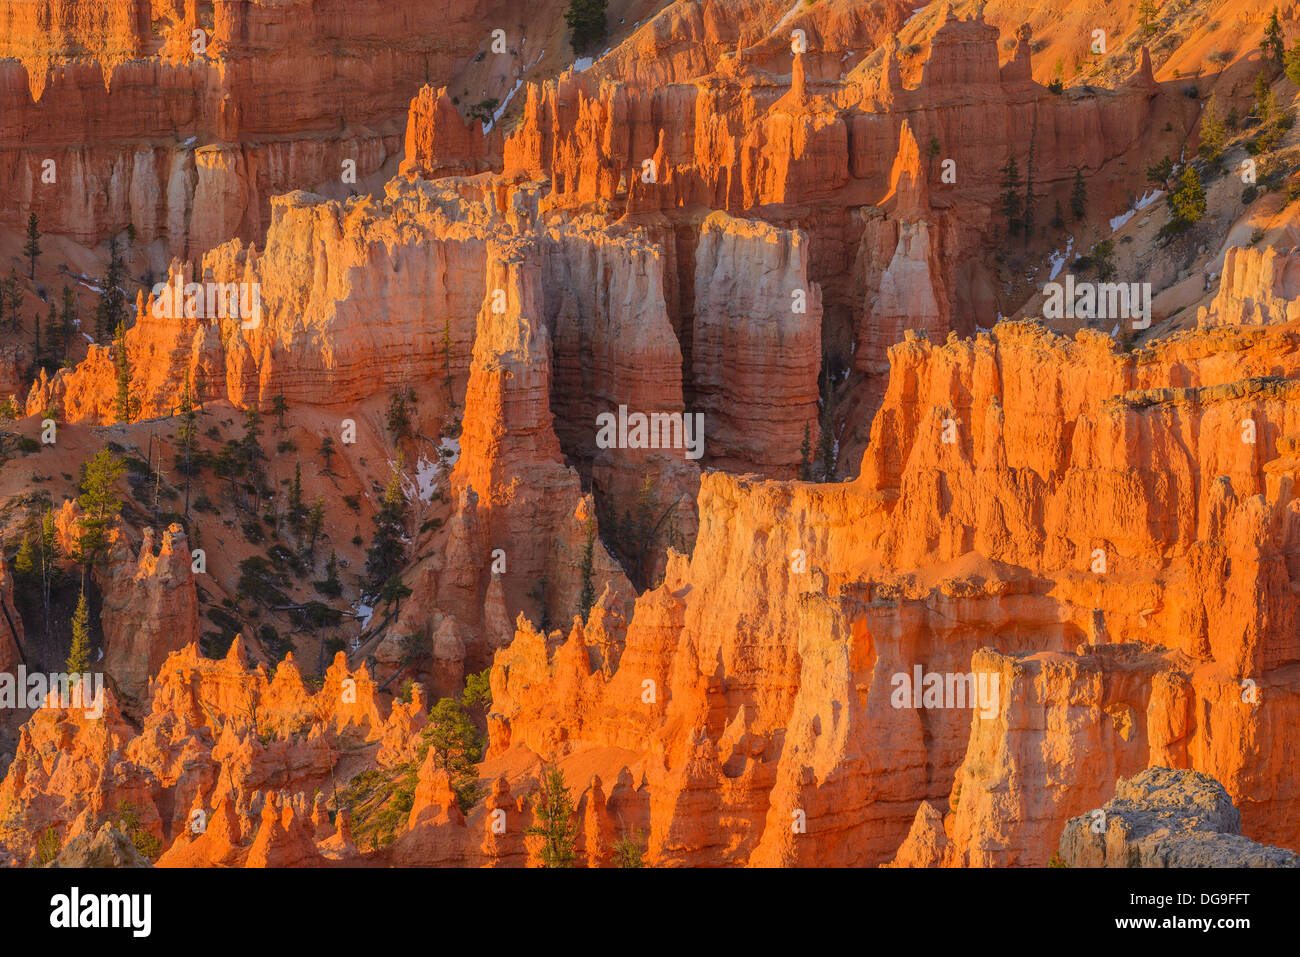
[{"x": 685, "y": 368}]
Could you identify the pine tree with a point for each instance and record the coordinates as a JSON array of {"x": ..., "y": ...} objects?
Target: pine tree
[
  {"x": 111, "y": 310},
  {"x": 1030, "y": 198},
  {"x": 1146, "y": 17},
  {"x": 1272, "y": 46},
  {"x": 51, "y": 556},
  {"x": 628, "y": 853},
  {"x": 805, "y": 454},
  {"x": 278, "y": 408},
  {"x": 32, "y": 249},
  {"x": 100, "y": 504},
  {"x": 1293, "y": 64},
  {"x": 38, "y": 351},
  {"x": 250, "y": 449},
  {"x": 330, "y": 587},
  {"x": 79, "y": 652},
  {"x": 455, "y": 745},
  {"x": 315, "y": 525},
  {"x": 15, "y": 300},
  {"x": 297, "y": 511},
  {"x": 1188, "y": 200},
  {"x": 446, "y": 359},
  {"x": 327, "y": 452},
  {"x": 1079, "y": 196},
  {"x": 399, "y": 413},
  {"x": 55, "y": 346},
  {"x": 1011, "y": 200},
  {"x": 187, "y": 434},
  {"x": 588, "y": 596},
  {"x": 387, "y": 552},
  {"x": 553, "y": 810},
  {"x": 1214, "y": 132},
  {"x": 1265, "y": 101},
  {"x": 124, "y": 404},
  {"x": 586, "y": 21},
  {"x": 69, "y": 321}
]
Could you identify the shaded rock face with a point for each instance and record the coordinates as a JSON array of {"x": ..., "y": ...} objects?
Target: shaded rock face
[
  {"x": 190, "y": 146},
  {"x": 220, "y": 741},
  {"x": 1258, "y": 286},
  {"x": 150, "y": 609},
  {"x": 1166, "y": 818},
  {"x": 694, "y": 226},
  {"x": 761, "y": 668},
  {"x": 108, "y": 847}
]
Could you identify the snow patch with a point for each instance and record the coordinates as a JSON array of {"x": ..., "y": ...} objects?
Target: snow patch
[
  {"x": 428, "y": 471},
  {"x": 1058, "y": 260},
  {"x": 496, "y": 116},
  {"x": 364, "y": 612},
  {"x": 1149, "y": 198},
  {"x": 1121, "y": 219},
  {"x": 1146, "y": 200},
  {"x": 582, "y": 64},
  {"x": 786, "y": 19},
  {"x": 915, "y": 11}
]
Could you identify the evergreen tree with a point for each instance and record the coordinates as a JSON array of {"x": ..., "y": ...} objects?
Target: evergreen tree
[
  {"x": 79, "y": 652},
  {"x": 456, "y": 746},
  {"x": 187, "y": 435},
  {"x": 554, "y": 812},
  {"x": 399, "y": 413},
  {"x": 250, "y": 448},
  {"x": 1030, "y": 198},
  {"x": 1214, "y": 132},
  {"x": 1079, "y": 196},
  {"x": 1293, "y": 64},
  {"x": 446, "y": 360},
  {"x": 55, "y": 346},
  {"x": 1273, "y": 48},
  {"x": 32, "y": 249},
  {"x": 1012, "y": 204},
  {"x": 38, "y": 351},
  {"x": 278, "y": 408},
  {"x": 1058, "y": 217},
  {"x": 15, "y": 300},
  {"x": 330, "y": 587},
  {"x": 588, "y": 596},
  {"x": 100, "y": 504},
  {"x": 628, "y": 853},
  {"x": 1187, "y": 201},
  {"x": 69, "y": 321},
  {"x": 805, "y": 454},
  {"x": 297, "y": 511},
  {"x": 51, "y": 572},
  {"x": 124, "y": 404},
  {"x": 387, "y": 551},
  {"x": 111, "y": 310},
  {"x": 315, "y": 525},
  {"x": 586, "y": 22},
  {"x": 1147, "y": 17},
  {"x": 327, "y": 452},
  {"x": 1265, "y": 101}
]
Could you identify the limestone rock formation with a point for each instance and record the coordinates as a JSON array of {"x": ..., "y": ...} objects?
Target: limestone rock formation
[
  {"x": 150, "y": 610},
  {"x": 1258, "y": 286},
  {"x": 1165, "y": 818}
]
